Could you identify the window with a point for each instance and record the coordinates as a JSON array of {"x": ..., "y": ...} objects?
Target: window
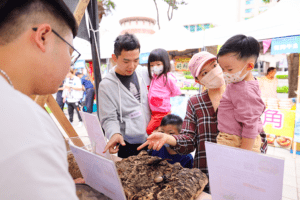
[
  {"x": 206, "y": 26},
  {"x": 192, "y": 28},
  {"x": 249, "y": 2},
  {"x": 249, "y": 10},
  {"x": 199, "y": 27},
  {"x": 262, "y": 9},
  {"x": 246, "y": 18}
]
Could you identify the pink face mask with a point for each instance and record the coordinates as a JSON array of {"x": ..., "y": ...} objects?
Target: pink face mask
[{"x": 214, "y": 78}]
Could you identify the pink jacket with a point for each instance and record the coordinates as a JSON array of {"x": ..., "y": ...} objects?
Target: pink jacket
[
  {"x": 159, "y": 93},
  {"x": 240, "y": 109}
]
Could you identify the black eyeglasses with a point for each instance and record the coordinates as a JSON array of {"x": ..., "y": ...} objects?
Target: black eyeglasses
[{"x": 75, "y": 54}]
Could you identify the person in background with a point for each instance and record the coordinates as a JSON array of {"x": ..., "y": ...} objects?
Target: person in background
[
  {"x": 72, "y": 95},
  {"x": 88, "y": 86},
  {"x": 172, "y": 124},
  {"x": 59, "y": 97},
  {"x": 268, "y": 84},
  {"x": 162, "y": 87}
]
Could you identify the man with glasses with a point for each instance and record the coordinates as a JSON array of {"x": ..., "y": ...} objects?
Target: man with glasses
[{"x": 36, "y": 52}]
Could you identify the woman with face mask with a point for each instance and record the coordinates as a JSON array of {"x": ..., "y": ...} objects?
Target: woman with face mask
[
  {"x": 200, "y": 123},
  {"x": 162, "y": 87}
]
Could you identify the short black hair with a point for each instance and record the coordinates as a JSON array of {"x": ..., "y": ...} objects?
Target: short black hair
[
  {"x": 127, "y": 42},
  {"x": 270, "y": 69},
  {"x": 245, "y": 47},
  {"x": 172, "y": 119},
  {"x": 159, "y": 55},
  {"x": 14, "y": 16}
]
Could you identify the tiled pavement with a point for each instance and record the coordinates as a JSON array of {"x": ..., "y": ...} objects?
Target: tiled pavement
[{"x": 291, "y": 180}]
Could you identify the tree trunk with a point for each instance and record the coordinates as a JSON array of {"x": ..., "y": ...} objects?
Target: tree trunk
[
  {"x": 293, "y": 68},
  {"x": 169, "y": 12},
  {"x": 101, "y": 10},
  {"x": 171, "y": 5},
  {"x": 157, "y": 14}
]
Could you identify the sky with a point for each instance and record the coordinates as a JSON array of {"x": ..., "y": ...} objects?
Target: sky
[{"x": 217, "y": 12}]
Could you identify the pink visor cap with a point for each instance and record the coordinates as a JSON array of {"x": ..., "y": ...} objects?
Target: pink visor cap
[{"x": 198, "y": 61}]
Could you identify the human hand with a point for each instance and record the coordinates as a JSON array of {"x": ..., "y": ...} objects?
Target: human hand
[
  {"x": 112, "y": 144},
  {"x": 155, "y": 141}
]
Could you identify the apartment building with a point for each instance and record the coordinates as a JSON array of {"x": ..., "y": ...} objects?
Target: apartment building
[{"x": 252, "y": 8}]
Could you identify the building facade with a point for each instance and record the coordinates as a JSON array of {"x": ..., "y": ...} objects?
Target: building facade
[
  {"x": 140, "y": 26},
  {"x": 252, "y": 8}
]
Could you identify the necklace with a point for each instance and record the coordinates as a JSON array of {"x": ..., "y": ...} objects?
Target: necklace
[{"x": 6, "y": 76}]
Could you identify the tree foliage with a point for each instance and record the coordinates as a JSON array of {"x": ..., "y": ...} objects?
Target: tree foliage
[
  {"x": 268, "y": 1},
  {"x": 105, "y": 7},
  {"x": 173, "y": 5}
]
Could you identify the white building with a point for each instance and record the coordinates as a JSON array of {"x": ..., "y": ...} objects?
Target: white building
[{"x": 251, "y": 8}]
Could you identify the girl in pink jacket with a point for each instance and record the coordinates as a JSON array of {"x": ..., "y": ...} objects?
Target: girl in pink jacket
[{"x": 162, "y": 87}]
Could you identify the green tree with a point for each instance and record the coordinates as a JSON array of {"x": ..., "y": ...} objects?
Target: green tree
[
  {"x": 173, "y": 5},
  {"x": 268, "y": 1},
  {"x": 105, "y": 7}
]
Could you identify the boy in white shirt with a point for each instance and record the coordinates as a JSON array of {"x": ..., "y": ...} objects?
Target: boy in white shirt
[{"x": 72, "y": 94}]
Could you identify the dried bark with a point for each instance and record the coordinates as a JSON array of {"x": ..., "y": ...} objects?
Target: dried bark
[
  {"x": 138, "y": 177},
  {"x": 73, "y": 167},
  {"x": 293, "y": 67}
]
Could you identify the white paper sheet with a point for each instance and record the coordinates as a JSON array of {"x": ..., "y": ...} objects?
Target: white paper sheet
[
  {"x": 243, "y": 175},
  {"x": 95, "y": 132},
  {"x": 99, "y": 173}
]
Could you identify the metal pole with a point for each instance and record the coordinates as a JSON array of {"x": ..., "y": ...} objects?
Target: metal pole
[{"x": 94, "y": 38}]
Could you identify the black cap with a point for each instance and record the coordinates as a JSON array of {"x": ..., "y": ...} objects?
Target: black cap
[{"x": 7, "y": 6}]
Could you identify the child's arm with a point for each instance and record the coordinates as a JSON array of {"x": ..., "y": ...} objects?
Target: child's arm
[
  {"x": 247, "y": 143},
  {"x": 175, "y": 91}
]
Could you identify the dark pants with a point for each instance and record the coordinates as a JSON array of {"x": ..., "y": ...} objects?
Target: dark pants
[
  {"x": 59, "y": 99},
  {"x": 71, "y": 107},
  {"x": 129, "y": 150},
  {"x": 89, "y": 99}
]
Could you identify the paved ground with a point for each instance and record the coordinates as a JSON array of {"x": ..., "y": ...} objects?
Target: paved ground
[{"x": 291, "y": 181}]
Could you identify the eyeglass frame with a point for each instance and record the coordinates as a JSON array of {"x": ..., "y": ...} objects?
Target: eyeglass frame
[{"x": 79, "y": 54}]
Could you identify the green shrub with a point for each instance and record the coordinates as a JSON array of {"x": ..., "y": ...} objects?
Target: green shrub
[
  {"x": 282, "y": 76},
  {"x": 189, "y": 88},
  {"x": 284, "y": 89},
  {"x": 187, "y": 73},
  {"x": 189, "y": 77}
]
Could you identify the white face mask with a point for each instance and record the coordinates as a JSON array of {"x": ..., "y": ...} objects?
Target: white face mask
[
  {"x": 214, "y": 78},
  {"x": 157, "y": 70},
  {"x": 234, "y": 78}
]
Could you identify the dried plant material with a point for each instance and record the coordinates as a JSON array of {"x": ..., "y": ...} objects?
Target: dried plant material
[
  {"x": 85, "y": 192},
  {"x": 73, "y": 167},
  {"x": 150, "y": 177}
]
